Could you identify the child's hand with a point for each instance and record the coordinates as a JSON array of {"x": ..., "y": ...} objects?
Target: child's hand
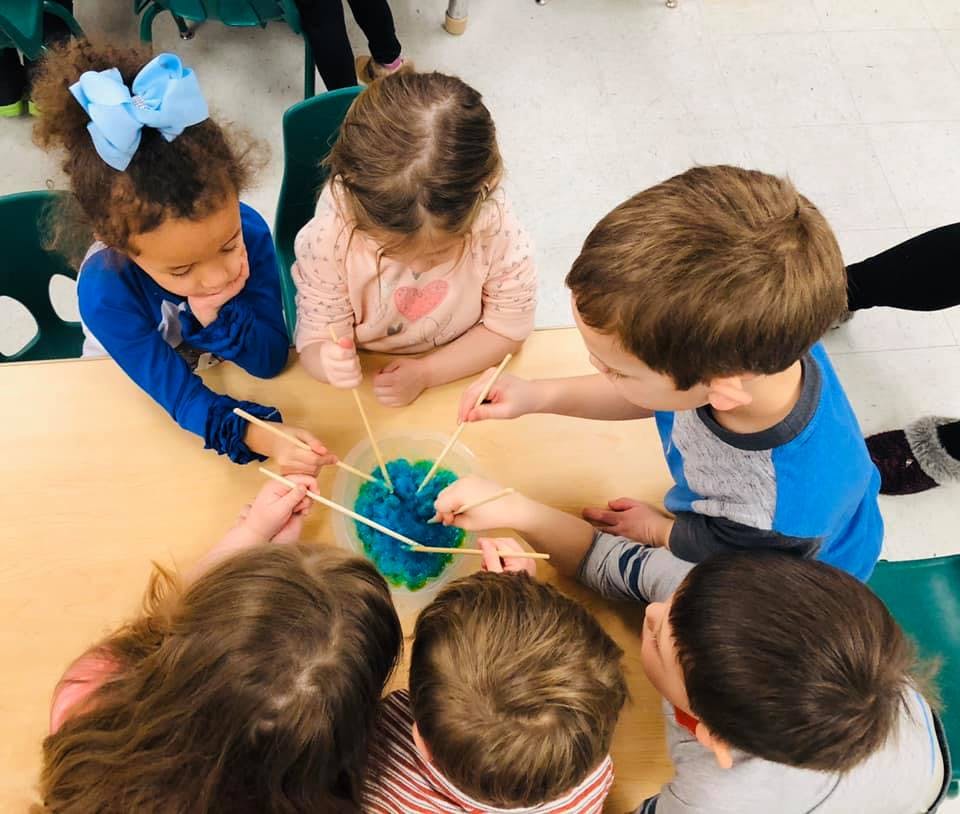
[
  {"x": 277, "y": 512},
  {"x": 206, "y": 308},
  {"x": 341, "y": 364},
  {"x": 493, "y": 562},
  {"x": 510, "y": 397},
  {"x": 634, "y": 519},
  {"x": 400, "y": 382},
  {"x": 289, "y": 457},
  {"x": 497, "y": 514}
]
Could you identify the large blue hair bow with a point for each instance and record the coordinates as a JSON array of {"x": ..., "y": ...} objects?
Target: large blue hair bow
[{"x": 165, "y": 95}]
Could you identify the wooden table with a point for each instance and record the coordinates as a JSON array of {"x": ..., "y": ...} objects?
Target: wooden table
[{"x": 98, "y": 482}]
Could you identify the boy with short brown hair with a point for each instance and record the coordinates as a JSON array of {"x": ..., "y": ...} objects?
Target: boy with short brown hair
[
  {"x": 515, "y": 691},
  {"x": 701, "y": 301}
]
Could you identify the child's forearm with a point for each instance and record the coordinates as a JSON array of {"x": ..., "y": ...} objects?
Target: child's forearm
[
  {"x": 478, "y": 349},
  {"x": 566, "y": 538},
  {"x": 312, "y": 361},
  {"x": 587, "y": 397}
]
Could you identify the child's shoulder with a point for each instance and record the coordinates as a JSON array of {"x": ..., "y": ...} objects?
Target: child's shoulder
[
  {"x": 105, "y": 276},
  {"x": 252, "y": 222},
  {"x": 496, "y": 216}
]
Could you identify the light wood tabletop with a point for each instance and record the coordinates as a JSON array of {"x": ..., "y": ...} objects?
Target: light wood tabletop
[{"x": 98, "y": 482}]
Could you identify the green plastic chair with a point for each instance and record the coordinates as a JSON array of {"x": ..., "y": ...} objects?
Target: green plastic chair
[
  {"x": 924, "y": 597},
  {"x": 309, "y": 130},
  {"x": 25, "y": 276},
  {"x": 21, "y": 24},
  {"x": 233, "y": 13}
]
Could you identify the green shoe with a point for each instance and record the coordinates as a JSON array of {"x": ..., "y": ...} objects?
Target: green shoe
[
  {"x": 12, "y": 110},
  {"x": 32, "y": 109}
]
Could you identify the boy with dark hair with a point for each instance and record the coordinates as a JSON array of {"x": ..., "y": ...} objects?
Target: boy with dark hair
[{"x": 701, "y": 301}]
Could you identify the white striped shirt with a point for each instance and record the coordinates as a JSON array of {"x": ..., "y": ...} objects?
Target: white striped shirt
[{"x": 401, "y": 781}]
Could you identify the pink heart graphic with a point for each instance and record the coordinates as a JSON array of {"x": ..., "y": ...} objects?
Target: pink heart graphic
[{"x": 415, "y": 303}]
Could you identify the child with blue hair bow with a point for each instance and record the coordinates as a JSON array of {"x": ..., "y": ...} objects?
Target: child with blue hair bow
[{"x": 182, "y": 274}]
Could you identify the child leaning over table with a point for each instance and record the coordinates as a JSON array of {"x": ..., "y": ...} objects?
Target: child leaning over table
[
  {"x": 414, "y": 248},
  {"x": 701, "y": 302},
  {"x": 249, "y": 685},
  {"x": 182, "y": 273},
  {"x": 515, "y": 691},
  {"x": 787, "y": 686}
]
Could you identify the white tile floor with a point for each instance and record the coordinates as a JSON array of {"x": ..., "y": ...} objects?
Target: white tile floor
[{"x": 858, "y": 100}]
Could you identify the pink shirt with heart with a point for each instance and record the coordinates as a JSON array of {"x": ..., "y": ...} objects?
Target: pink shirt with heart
[{"x": 397, "y": 310}]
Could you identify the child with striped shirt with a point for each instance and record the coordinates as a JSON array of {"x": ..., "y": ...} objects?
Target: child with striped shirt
[{"x": 515, "y": 691}]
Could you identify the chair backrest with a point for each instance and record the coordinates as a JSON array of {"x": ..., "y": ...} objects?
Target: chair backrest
[
  {"x": 21, "y": 24},
  {"x": 25, "y": 276},
  {"x": 310, "y": 128},
  {"x": 238, "y": 13},
  {"x": 924, "y": 597}
]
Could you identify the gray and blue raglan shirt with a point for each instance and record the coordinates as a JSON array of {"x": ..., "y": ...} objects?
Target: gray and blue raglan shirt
[{"x": 805, "y": 485}]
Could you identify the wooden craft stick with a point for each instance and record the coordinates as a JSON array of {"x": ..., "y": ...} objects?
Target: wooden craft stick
[
  {"x": 463, "y": 509},
  {"x": 453, "y": 439},
  {"x": 366, "y": 424},
  {"x": 342, "y": 509},
  {"x": 436, "y": 549},
  {"x": 271, "y": 426}
]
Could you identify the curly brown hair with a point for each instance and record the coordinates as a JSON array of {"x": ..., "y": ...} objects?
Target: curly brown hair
[
  {"x": 252, "y": 690},
  {"x": 188, "y": 177},
  {"x": 416, "y": 150}
]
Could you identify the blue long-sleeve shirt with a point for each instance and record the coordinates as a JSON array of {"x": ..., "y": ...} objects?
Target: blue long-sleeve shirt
[
  {"x": 805, "y": 485},
  {"x": 154, "y": 337}
]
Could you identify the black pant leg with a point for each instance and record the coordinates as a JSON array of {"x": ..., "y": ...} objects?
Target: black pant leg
[
  {"x": 376, "y": 22},
  {"x": 920, "y": 274},
  {"x": 326, "y": 30}
]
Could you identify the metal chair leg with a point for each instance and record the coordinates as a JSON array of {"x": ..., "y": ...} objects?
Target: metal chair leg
[
  {"x": 455, "y": 20},
  {"x": 186, "y": 33},
  {"x": 309, "y": 71}
]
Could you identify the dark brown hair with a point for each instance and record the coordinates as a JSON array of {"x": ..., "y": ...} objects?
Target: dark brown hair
[
  {"x": 790, "y": 660},
  {"x": 415, "y": 150},
  {"x": 188, "y": 177},
  {"x": 252, "y": 690},
  {"x": 719, "y": 271},
  {"x": 515, "y": 688}
]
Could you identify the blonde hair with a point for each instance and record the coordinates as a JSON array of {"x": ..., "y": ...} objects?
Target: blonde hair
[
  {"x": 718, "y": 271},
  {"x": 252, "y": 690},
  {"x": 515, "y": 688},
  {"x": 416, "y": 151}
]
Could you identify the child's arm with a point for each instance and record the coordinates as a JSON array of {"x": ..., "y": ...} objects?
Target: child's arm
[
  {"x": 129, "y": 334},
  {"x": 613, "y": 566},
  {"x": 323, "y": 299},
  {"x": 276, "y": 515},
  {"x": 579, "y": 396},
  {"x": 402, "y": 380},
  {"x": 248, "y": 328},
  {"x": 564, "y": 537}
]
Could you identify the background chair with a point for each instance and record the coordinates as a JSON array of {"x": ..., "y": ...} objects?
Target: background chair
[
  {"x": 21, "y": 24},
  {"x": 924, "y": 597},
  {"x": 234, "y": 13},
  {"x": 25, "y": 276},
  {"x": 309, "y": 131}
]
